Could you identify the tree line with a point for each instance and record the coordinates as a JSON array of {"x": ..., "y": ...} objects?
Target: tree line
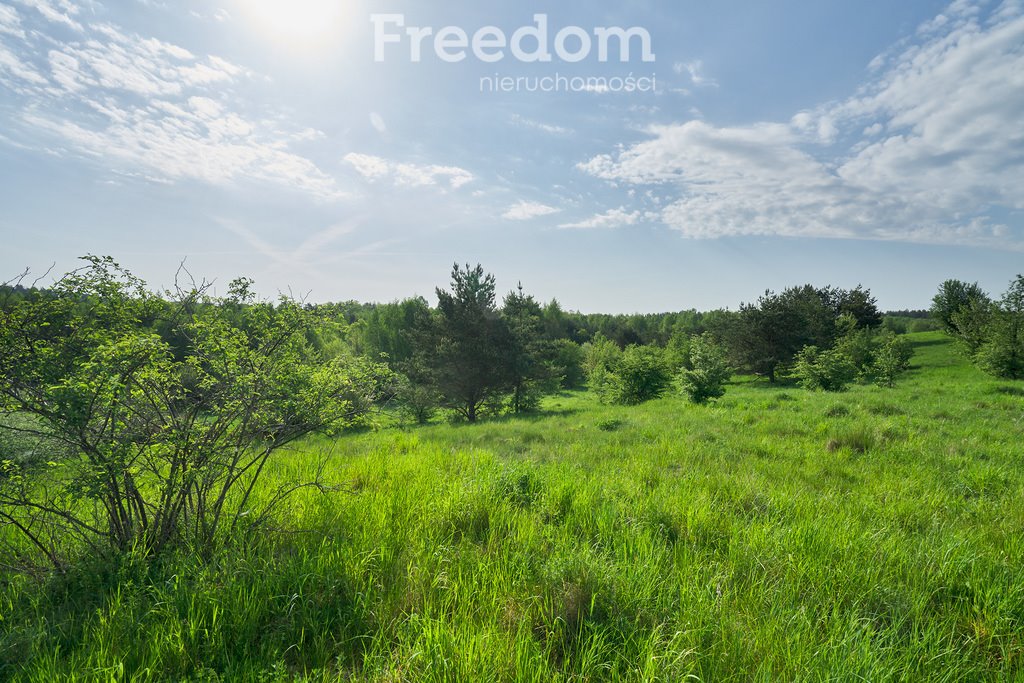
[{"x": 133, "y": 420}]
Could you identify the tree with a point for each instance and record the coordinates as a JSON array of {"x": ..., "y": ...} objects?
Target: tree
[
  {"x": 708, "y": 370},
  {"x": 471, "y": 344},
  {"x": 972, "y": 324},
  {"x": 601, "y": 358},
  {"x": 1002, "y": 352},
  {"x": 765, "y": 338},
  {"x": 891, "y": 360},
  {"x": 147, "y": 445},
  {"x": 531, "y": 374},
  {"x": 389, "y": 330},
  {"x": 567, "y": 363},
  {"x": 859, "y": 304},
  {"x": 953, "y": 297}
]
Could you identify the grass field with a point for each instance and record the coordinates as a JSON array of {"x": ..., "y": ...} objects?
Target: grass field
[{"x": 779, "y": 534}]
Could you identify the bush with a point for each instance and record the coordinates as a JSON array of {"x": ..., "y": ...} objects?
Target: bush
[
  {"x": 892, "y": 359},
  {"x": 600, "y": 359},
  {"x": 567, "y": 362},
  {"x": 709, "y": 371},
  {"x": 164, "y": 444},
  {"x": 859, "y": 346},
  {"x": 639, "y": 376},
  {"x": 830, "y": 370},
  {"x": 417, "y": 403}
]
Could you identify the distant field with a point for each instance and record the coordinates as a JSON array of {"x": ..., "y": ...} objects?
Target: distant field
[{"x": 779, "y": 534}]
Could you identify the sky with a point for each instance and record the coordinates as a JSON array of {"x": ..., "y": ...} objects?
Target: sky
[{"x": 722, "y": 149}]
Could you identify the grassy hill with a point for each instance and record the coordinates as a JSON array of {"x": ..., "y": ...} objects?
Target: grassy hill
[{"x": 779, "y": 534}]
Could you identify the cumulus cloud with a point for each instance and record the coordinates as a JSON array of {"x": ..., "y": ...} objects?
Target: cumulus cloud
[
  {"x": 613, "y": 218},
  {"x": 526, "y": 210},
  {"x": 148, "y": 107},
  {"x": 374, "y": 168},
  {"x": 931, "y": 149}
]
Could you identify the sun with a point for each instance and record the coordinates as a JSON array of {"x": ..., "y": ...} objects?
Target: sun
[{"x": 297, "y": 22}]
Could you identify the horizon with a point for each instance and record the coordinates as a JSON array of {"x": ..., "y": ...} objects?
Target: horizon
[{"x": 844, "y": 145}]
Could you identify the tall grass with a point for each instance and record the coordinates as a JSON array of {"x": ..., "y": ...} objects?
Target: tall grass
[{"x": 776, "y": 535}]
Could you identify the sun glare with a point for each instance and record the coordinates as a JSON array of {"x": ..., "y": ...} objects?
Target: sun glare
[{"x": 298, "y": 22}]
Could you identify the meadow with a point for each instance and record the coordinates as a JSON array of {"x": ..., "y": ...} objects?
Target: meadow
[{"x": 776, "y": 534}]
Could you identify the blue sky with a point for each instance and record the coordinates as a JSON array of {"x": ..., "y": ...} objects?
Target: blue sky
[{"x": 796, "y": 141}]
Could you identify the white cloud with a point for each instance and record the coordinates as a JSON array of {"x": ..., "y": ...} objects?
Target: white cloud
[
  {"x": 58, "y": 12},
  {"x": 13, "y": 66},
  {"x": 525, "y": 210},
  {"x": 375, "y": 168},
  {"x": 695, "y": 70},
  {"x": 932, "y": 151},
  {"x": 10, "y": 22},
  {"x": 151, "y": 109},
  {"x": 613, "y": 218},
  {"x": 370, "y": 167},
  {"x": 541, "y": 126}
]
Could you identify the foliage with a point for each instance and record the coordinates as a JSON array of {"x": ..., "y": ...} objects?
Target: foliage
[
  {"x": 633, "y": 376},
  {"x": 891, "y": 359},
  {"x": 708, "y": 370},
  {"x": 678, "y": 352},
  {"x": 600, "y": 360},
  {"x": 829, "y": 370},
  {"x": 417, "y": 402},
  {"x": 765, "y": 337},
  {"x": 992, "y": 333},
  {"x": 760, "y": 541},
  {"x": 156, "y": 447},
  {"x": 532, "y": 372},
  {"x": 471, "y": 344},
  {"x": 953, "y": 297},
  {"x": 1002, "y": 352},
  {"x": 567, "y": 363},
  {"x": 390, "y": 330}
]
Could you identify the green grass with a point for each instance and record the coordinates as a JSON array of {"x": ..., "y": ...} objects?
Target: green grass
[{"x": 876, "y": 534}]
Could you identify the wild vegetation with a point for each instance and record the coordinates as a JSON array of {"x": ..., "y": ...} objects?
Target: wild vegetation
[
  {"x": 990, "y": 332},
  {"x": 201, "y": 488}
]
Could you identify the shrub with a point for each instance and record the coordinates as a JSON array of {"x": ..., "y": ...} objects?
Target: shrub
[
  {"x": 567, "y": 362},
  {"x": 639, "y": 376},
  {"x": 709, "y": 371},
  {"x": 830, "y": 370},
  {"x": 892, "y": 359},
  {"x": 417, "y": 403},
  {"x": 162, "y": 444}
]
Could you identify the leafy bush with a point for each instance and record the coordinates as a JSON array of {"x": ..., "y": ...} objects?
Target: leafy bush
[
  {"x": 568, "y": 362},
  {"x": 601, "y": 357},
  {"x": 638, "y": 375},
  {"x": 417, "y": 403},
  {"x": 708, "y": 373},
  {"x": 892, "y": 359},
  {"x": 830, "y": 370},
  {"x": 162, "y": 444}
]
